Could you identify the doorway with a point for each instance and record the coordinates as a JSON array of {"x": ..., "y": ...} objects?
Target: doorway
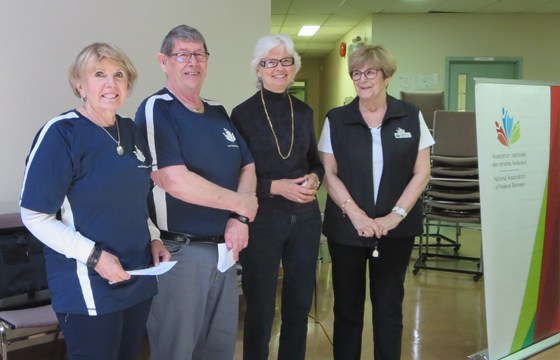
[
  {"x": 299, "y": 89},
  {"x": 461, "y": 71}
]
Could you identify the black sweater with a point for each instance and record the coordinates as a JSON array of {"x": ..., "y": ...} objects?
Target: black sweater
[{"x": 250, "y": 120}]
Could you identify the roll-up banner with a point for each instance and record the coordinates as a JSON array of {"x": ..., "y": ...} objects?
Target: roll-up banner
[{"x": 518, "y": 130}]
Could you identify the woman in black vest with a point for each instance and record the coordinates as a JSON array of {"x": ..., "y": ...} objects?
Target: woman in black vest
[
  {"x": 279, "y": 131},
  {"x": 376, "y": 158}
]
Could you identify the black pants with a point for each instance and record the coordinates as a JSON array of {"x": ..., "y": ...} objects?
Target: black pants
[
  {"x": 294, "y": 239},
  {"x": 115, "y": 336},
  {"x": 386, "y": 274}
]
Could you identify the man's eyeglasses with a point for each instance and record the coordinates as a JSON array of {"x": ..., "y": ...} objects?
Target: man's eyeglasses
[
  {"x": 272, "y": 63},
  {"x": 186, "y": 56},
  {"x": 369, "y": 74}
]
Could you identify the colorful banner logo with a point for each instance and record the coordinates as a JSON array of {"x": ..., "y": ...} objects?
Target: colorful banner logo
[{"x": 508, "y": 134}]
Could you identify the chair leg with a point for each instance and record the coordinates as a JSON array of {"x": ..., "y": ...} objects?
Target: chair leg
[
  {"x": 316, "y": 310},
  {"x": 4, "y": 340},
  {"x": 53, "y": 345}
]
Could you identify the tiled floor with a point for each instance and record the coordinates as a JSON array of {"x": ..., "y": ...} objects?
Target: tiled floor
[{"x": 444, "y": 317}]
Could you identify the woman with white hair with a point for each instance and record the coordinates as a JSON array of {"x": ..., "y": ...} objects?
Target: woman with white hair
[{"x": 279, "y": 131}]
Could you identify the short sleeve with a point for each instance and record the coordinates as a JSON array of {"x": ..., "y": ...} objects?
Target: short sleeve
[
  {"x": 246, "y": 156},
  {"x": 49, "y": 170},
  {"x": 426, "y": 139},
  {"x": 325, "y": 145},
  {"x": 160, "y": 131}
]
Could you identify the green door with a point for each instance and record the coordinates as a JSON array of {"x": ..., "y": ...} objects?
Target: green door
[{"x": 460, "y": 74}]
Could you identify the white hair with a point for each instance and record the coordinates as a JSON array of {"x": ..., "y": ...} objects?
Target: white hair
[{"x": 269, "y": 42}]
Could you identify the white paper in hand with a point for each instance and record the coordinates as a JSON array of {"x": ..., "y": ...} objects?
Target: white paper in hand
[{"x": 162, "y": 268}]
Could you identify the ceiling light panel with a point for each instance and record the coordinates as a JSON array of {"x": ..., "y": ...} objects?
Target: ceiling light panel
[
  {"x": 308, "y": 30},
  {"x": 302, "y": 20}
]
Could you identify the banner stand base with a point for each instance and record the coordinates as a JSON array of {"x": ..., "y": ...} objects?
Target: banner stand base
[
  {"x": 521, "y": 354},
  {"x": 481, "y": 355}
]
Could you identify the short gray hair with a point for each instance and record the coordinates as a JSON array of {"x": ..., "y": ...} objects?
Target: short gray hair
[
  {"x": 181, "y": 32},
  {"x": 96, "y": 52},
  {"x": 375, "y": 56},
  {"x": 269, "y": 42}
]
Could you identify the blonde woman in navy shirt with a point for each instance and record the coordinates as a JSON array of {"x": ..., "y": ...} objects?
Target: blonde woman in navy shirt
[{"x": 84, "y": 195}]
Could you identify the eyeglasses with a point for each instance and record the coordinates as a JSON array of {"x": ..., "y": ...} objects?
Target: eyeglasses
[
  {"x": 272, "y": 63},
  {"x": 186, "y": 56},
  {"x": 369, "y": 74}
]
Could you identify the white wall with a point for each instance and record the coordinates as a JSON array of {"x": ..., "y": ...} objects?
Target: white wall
[
  {"x": 421, "y": 42},
  {"x": 39, "y": 40},
  {"x": 335, "y": 81}
]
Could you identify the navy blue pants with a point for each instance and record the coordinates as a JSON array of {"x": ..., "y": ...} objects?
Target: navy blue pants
[
  {"x": 386, "y": 278},
  {"x": 294, "y": 239},
  {"x": 114, "y": 336}
]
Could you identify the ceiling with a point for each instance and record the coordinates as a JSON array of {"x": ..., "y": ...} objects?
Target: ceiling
[{"x": 337, "y": 17}]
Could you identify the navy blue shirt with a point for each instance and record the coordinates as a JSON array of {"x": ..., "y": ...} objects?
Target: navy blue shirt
[
  {"x": 207, "y": 144},
  {"x": 74, "y": 168}
]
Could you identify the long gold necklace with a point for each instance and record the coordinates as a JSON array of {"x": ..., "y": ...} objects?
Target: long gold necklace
[{"x": 272, "y": 128}]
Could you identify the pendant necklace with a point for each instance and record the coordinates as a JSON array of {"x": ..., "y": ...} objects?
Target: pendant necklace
[
  {"x": 272, "y": 128},
  {"x": 120, "y": 149}
]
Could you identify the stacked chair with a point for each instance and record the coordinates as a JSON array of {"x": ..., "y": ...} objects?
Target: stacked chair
[
  {"x": 451, "y": 199},
  {"x": 427, "y": 102},
  {"x": 24, "y": 295}
]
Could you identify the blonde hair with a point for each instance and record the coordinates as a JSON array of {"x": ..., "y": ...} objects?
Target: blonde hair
[
  {"x": 376, "y": 56},
  {"x": 96, "y": 52}
]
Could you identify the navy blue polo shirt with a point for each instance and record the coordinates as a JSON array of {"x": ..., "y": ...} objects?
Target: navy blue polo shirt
[
  {"x": 207, "y": 144},
  {"x": 74, "y": 168}
]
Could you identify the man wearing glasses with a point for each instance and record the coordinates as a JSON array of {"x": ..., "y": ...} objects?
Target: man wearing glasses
[{"x": 202, "y": 200}]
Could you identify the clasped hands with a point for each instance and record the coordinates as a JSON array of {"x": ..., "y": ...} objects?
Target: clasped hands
[
  {"x": 368, "y": 227},
  {"x": 302, "y": 189}
]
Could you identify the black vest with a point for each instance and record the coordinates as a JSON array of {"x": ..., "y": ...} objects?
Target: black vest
[{"x": 352, "y": 148}]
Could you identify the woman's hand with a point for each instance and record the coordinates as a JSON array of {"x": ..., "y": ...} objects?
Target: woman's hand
[
  {"x": 388, "y": 222},
  {"x": 311, "y": 182},
  {"x": 110, "y": 268},
  {"x": 364, "y": 225},
  {"x": 159, "y": 252},
  {"x": 292, "y": 190}
]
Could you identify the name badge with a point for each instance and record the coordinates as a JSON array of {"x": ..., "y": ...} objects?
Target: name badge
[{"x": 402, "y": 134}]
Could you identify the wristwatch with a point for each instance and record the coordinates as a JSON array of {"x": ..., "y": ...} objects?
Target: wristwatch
[
  {"x": 243, "y": 219},
  {"x": 400, "y": 211}
]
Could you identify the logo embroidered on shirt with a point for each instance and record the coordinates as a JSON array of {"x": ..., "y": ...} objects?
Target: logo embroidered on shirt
[
  {"x": 402, "y": 134},
  {"x": 230, "y": 137},
  {"x": 140, "y": 156}
]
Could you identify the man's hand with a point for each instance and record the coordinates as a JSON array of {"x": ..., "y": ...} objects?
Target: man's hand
[
  {"x": 248, "y": 205},
  {"x": 237, "y": 236},
  {"x": 159, "y": 252}
]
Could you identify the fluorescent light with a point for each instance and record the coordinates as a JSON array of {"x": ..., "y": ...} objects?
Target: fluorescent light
[{"x": 308, "y": 30}]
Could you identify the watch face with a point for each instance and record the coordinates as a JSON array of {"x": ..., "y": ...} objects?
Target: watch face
[{"x": 243, "y": 218}]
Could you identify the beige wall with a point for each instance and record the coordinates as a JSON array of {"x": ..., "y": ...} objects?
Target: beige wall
[
  {"x": 39, "y": 40},
  {"x": 421, "y": 42},
  {"x": 310, "y": 71},
  {"x": 335, "y": 82}
]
